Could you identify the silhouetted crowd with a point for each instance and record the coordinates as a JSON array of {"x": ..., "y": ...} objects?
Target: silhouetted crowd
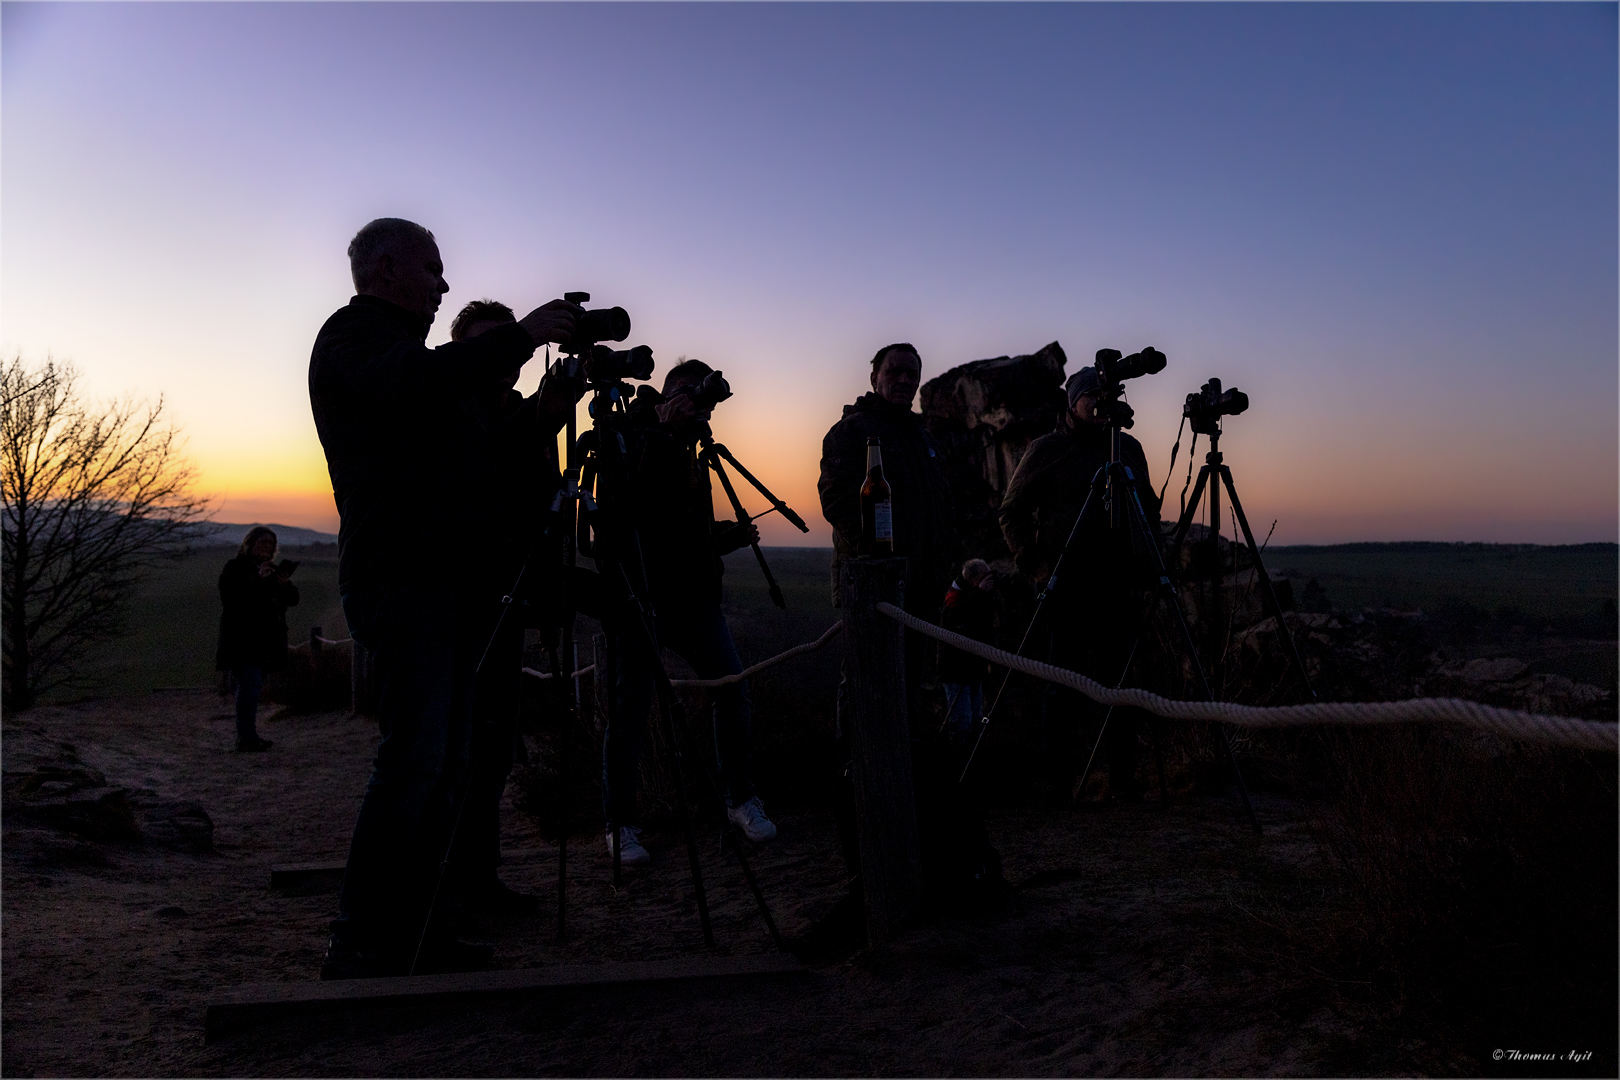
[{"x": 450, "y": 489}]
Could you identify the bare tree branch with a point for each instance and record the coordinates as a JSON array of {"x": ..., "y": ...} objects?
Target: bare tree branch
[{"x": 89, "y": 496}]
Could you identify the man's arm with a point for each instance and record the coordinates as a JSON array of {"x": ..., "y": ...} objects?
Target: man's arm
[
  {"x": 842, "y": 473},
  {"x": 364, "y": 352}
]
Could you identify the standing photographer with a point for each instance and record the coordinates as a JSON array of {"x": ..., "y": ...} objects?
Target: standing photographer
[
  {"x": 409, "y": 463},
  {"x": 681, "y": 549},
  {"x": 1094, "y": 616}
]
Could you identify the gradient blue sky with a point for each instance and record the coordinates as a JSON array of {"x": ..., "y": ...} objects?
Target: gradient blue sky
[{"x": 1393, "y": 225}]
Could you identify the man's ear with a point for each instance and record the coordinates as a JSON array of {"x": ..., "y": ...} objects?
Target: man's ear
[{"x": 384, "y": 269}]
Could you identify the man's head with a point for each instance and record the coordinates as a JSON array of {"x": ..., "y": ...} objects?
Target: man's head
[
  {"x": 685, "y": 376},
  {"x": 896, "y": 373},
  {"x": 1083, "y": 388},
  {"x": 398, "y": 261},
  {"x": 479, "y": 316},
  {"x": 975, "y": 573}
]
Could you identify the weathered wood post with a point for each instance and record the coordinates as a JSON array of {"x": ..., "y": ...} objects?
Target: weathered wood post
[
  {"x": 880, "y": 743},
  {"x": 314, "y": 641}
]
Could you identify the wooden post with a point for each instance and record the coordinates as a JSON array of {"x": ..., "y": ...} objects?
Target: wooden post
[
  {"x": 880, "y": 744},
  {"x": 314, "y": 641}
]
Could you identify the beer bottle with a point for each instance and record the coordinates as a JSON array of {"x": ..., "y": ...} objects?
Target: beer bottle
[{"x": 877, "y": 506}]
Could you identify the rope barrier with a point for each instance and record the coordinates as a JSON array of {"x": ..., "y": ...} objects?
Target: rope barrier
[
  {"x": 322, "y": 640},
  {"x": 797, "y": 650},
  {"x": 1530, "y": 727}
]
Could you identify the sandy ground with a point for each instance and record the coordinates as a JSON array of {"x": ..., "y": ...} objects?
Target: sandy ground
[{"x": 1159, "y": 953}]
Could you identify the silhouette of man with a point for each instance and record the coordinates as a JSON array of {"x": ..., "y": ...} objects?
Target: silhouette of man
[{"x": 409, "y": 463}]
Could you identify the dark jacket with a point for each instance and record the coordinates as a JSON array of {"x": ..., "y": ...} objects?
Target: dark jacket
[
  {"x": 914, "y": 466},
  {"x": 1048, "y": 489},
  {"x": 253, "y": 626},
  {"x": 406, "y": 442},
  {"x": 971, "y": 613},
  {"x": 673, "y": 511}
]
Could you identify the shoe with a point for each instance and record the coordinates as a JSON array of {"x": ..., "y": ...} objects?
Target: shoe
[
  {"x": 497, "y": 898},
  {"x": 750, "y": 818},
  {"x": 631, "y": 853},
  {"x": 348, "y": 959},
  {"x": 254, "y": 745}
]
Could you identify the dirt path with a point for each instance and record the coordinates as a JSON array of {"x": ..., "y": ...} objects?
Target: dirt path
[{"x": 1161, "y": 953}]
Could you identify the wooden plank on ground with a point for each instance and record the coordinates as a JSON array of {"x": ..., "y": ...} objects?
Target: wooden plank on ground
[{"x": 235, "y": 1008}]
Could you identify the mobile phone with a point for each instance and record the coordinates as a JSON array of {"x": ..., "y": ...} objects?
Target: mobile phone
[{"x": 286, "y": 567}]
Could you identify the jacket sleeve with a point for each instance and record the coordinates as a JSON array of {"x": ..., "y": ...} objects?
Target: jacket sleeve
[
  {"x": 1018, "y": 508},
  {"x": 409, "y": 370},
  {"x": 289, "y": 594},
  {"x": 840, "y": 485},
  {"x": 1144, "y": 487}
]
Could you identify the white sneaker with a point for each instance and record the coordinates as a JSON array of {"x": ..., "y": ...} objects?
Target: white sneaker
[
  {"x": 631, "y": 853},
  {"x": 750, "y": 818}
]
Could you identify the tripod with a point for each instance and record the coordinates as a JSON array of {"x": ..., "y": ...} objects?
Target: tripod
[
  {"x": 1113, "y": 491},
  {"x": 712, "y": 455},
  {"x": 1214, "y": 464},
  {"x": 617, "y": 550}
]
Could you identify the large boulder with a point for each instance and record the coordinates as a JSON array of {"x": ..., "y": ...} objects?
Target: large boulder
[{"x": 985, "y": 414}]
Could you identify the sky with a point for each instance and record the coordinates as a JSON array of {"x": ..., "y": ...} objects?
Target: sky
[{"x": 1394, "y": 226}]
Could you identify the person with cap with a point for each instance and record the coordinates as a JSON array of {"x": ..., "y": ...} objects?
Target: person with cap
[{"x": 1092, "y": 621}]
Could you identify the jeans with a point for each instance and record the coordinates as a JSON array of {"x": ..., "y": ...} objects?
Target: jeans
[
  {"x": 249, "y": 681},
  {"x": 965, "y": 705},
  {"x": 703, "y": 639},
  {"x": 424, "y": 654},
  {"x": 1095, "y": 643},
  {"x": 496, "y": 704}
]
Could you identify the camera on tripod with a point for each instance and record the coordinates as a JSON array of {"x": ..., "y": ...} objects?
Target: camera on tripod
[
  {"x": 710, "y": 391},
  {"x": 607, "y": 365},
  {"x": 1209, "y": 404},
  {"x": 602, "y": 324},
  {"x": 1112, "y": 371}
]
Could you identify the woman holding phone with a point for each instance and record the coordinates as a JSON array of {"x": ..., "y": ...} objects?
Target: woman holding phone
[{"x": 253, "y": 627}]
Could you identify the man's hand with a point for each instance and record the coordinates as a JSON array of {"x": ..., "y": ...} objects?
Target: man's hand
[
  {"x": 676, "y": 411},
  {"x": 558, "y": 396},
  {"x": 551, "y": 322},
  {"x": 735, "y": 536}
]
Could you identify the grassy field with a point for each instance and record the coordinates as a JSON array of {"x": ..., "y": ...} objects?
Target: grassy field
[
  {"x": 173, "y": 626},
  {"x": 1571, "y": 583}
]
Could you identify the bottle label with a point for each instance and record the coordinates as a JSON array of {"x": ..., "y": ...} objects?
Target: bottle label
[{"x": 883, "y": 520}]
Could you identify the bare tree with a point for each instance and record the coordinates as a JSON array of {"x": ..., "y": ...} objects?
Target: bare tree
[{"x": 90, "y": 494}]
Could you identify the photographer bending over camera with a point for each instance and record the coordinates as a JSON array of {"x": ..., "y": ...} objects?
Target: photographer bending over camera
[
  {"x": 681, "y": 549},
  {"x": 412, "y": 463},
  {"x": 1095, "y": 613}
]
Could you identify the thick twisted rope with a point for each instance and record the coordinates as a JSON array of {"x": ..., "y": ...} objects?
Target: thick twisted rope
[
  {"x": 1528, "y": 727},
  {"x": 797, "y": 650}
]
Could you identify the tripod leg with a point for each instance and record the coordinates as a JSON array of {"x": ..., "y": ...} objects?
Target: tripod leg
[
  {"x": 1139, "y": 516},
  {"x": 1265, "y": 582},
  {"x": 742, "y": 516},
  {"x": 729, "y": 839},
  {"x": 1185, "y": 524},
  {"x": 1099, "y": 483},
  {"x": 668, "y": 707}
]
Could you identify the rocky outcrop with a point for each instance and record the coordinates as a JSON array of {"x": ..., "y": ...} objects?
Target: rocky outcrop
[
  {"x": 985, "y": 414},
  {"x": 80, "y": 802}
]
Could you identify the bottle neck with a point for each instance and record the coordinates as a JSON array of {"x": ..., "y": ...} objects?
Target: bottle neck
[{"x": 874, "y": 459}]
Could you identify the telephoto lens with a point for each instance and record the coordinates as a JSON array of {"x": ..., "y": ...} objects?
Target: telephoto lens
[
  {"x": 611, "y": 365},
  {"x": 600, "y": 324},
  {"x": 711, "y": 391}
]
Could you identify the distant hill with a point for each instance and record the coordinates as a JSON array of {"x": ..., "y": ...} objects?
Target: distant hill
[{"x": 222, "y": 534}]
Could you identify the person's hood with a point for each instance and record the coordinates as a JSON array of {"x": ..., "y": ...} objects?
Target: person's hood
[{"x": 873, "y": 402}]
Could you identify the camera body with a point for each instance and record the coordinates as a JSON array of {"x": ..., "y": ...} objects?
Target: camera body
[
  {"x": 1205, "y": 408},
  {"x": 601, "y": 324},
  {"x": 710, "y": 391},
  {"x": 1112, "y": 371}
]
